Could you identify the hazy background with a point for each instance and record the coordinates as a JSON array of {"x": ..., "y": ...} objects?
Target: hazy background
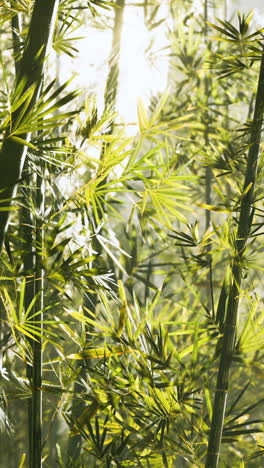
[{"x": 143, "y": 69}]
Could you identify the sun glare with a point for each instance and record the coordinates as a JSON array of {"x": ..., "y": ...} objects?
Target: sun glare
[
  {"x": 143, "y": 70},
  {"x": 140, "y": 76}
]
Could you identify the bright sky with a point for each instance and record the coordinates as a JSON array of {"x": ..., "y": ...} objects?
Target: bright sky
[{"x": 138, "y": 78}]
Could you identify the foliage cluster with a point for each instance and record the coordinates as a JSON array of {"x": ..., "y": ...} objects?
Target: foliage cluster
[{"x": 118, "y": 263}]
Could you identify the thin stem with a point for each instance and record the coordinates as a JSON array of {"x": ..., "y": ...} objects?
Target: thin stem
[
  {"x": 27, "y": 228},
  {"x": 230, "y": 325},
  {"x": 208, "y": 170},
  {"x": 37, "y": 345}
]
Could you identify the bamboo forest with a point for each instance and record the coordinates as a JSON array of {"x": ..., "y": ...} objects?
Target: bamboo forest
[{"x": 131, "y": 234}]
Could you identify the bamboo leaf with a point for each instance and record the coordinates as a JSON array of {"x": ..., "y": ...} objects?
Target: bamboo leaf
[
  {"x": 213, "y": 208},
  {"x": 143, "y": 121},
  {"x": 22, "y": 461},
  {"x": 22, "y": 141},
  {"x": 101, "y": 352}
]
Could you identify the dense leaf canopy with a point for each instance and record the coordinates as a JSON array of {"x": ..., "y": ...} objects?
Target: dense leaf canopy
[{"x": 131, "y": 321}]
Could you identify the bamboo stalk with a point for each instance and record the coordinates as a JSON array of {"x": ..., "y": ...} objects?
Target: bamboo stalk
[
  {"x": 110, "y": 95},
  {"x": 223, "y": 296},
  {"x": 31, "y": 70},
  {"x": 111, "y": 87},
  {"x": 16, "y": 30},
  {"x": 226, "y": 9},
  {"x": 37, "y": 345},
  {"x": 27, "y": 229},
  {"x": 230, "y": 325},
  {"x": 208, "y": 171},
  {"x": 13, "y": 154}
]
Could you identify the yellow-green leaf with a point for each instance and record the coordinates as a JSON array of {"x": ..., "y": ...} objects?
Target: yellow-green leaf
[
  {"x": 213, "y": 208},
  {"x": 143, "y": 121}
]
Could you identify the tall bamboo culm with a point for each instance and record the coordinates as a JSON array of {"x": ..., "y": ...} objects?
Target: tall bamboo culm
[
  {"x": 230, "y": 323},
  {"x": 36, "y": 415},
  {"x": 12, "y": 167},
  {"x": 208, "y": 170},
  {"x": 26, "y": 227}
]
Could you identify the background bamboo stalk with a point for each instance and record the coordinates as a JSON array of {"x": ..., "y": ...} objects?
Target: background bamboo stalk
[
  {"x": 208, "y": 170},
  {"x": 230, "y": 325},
  {"x": 222, "y": 301},
  {"x": 111, "y": 87},
  {"x": 13, "y": 154},
  {"x": 110, "y": 95}
]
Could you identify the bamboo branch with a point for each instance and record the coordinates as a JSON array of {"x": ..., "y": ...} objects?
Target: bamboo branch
[
  {"x": 230, "y": 325},
  {"x": 13, "y": 154}
]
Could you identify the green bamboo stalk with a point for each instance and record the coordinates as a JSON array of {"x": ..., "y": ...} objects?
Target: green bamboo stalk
[
  {"x": 242, "y": 235},
  {"x": 13, "y": 154},
  {"x": 27, "y": 229},
  {"x": 16, "y": 30},
  {"x": 208, "y": 171},
  {"x": 36, "y": 422},
  {"x": 30, "y": 69},
  {"x": 223, "y": 296}
]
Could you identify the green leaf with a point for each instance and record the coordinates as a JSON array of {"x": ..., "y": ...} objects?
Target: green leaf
[
  {"x": 213, "y": 208},
  {"x": 23, "y": 142}
]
